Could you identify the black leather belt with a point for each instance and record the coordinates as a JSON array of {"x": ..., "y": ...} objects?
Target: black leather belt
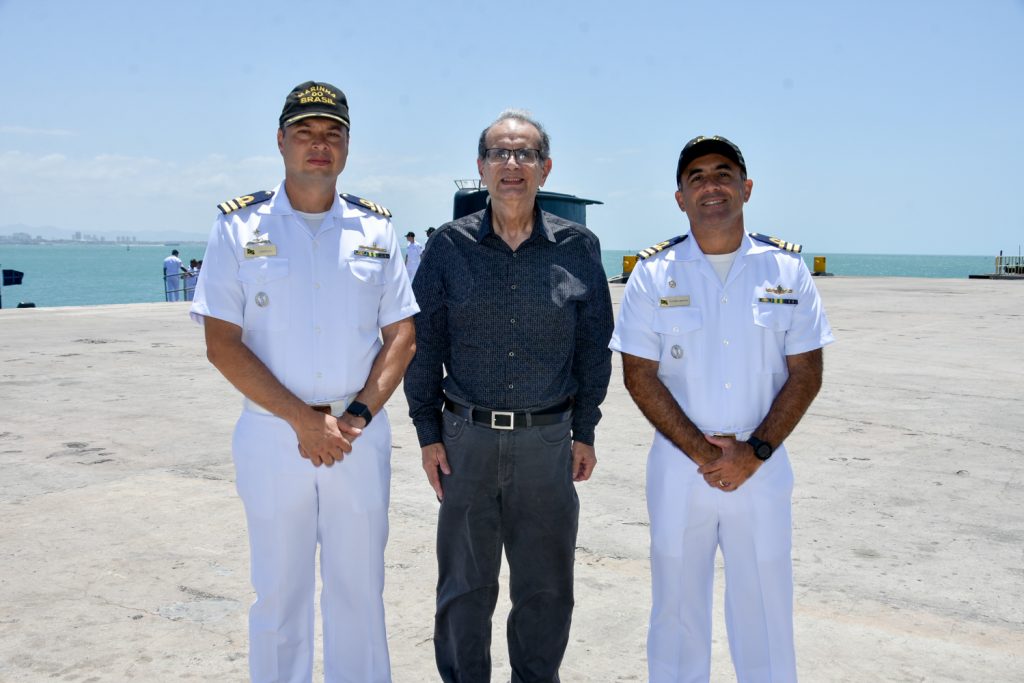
[{"x": 508, "y": 419}]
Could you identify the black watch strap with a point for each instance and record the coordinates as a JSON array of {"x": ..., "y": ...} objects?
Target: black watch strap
[
  {"x": 360, "y": 410},
  {"x": 762, "y": 449}
]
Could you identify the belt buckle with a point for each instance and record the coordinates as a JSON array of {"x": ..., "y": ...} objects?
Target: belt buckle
[{"x": 495, "y": 414}]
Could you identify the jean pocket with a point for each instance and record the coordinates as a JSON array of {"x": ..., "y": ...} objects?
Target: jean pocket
[
  {"x": 452, "y": 426},
  {"x": 556, "y": 434}
]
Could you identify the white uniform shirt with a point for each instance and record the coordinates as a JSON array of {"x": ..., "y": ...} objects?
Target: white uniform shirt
[
  {"x": 721, "y": 348},
  {"x": 414, "y": 251},
  {"x": 313, "y": 311},
  {"x": 172, "y": 267},
  {"x": 190, "y": 282}
]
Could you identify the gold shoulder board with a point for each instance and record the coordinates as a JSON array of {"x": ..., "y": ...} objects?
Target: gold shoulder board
[
  {"x": 366, "y": 204},
  {"x": 244, "y": 201},
  {"x": 661, "y": 246},
  {"x": 777, "y": 242}
]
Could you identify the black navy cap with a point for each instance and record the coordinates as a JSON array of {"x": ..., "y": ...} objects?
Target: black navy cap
[
  {"x": 313, "y": 98},
  {"x": 709, "y": 144}
]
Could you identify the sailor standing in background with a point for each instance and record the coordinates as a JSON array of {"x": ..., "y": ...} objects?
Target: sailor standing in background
[
  {"x": 173, "y": 270},
  {"x": 308, "y": 312},
  {"x": 721, "y": 335},
  {"x": 191, "y": 277},
  {"x": 413, "y": 252}
]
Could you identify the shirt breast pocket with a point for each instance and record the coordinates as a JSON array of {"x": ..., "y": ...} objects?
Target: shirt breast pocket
[
  {"x": 265, "y": 286},
  {"x": 773, "y": 322},
  {"x": 367, "y": 271},
  {"x": 364, "y": 287},
  {"x": 682, "y": 344}
]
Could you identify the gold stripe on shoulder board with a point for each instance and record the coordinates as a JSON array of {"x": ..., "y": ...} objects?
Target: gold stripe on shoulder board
[
  {"x": 376, "y": 208},
  {"x": 244, "y": 201},
  {"x": 778, "y": 242},
  {"x": 661, "y": 246},
  {"x": 366, "y": 204}
]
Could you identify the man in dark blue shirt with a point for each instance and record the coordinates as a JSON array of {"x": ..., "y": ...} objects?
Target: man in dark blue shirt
[{"x": 511, "y": 366}]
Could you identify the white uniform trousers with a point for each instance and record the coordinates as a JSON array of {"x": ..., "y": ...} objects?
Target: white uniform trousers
[
  {"x": 753, "y": 526},
  {"x": 172, "y": 287},
  {"x": 290, "y": 506}
]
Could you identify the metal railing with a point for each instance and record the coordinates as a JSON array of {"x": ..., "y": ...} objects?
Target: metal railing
[
  {"x": 182, "y": 293},
  {"x": 1009, "y": 265}
]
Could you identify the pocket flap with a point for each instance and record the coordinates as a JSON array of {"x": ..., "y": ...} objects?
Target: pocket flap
[
  {"x": 677, "y": 320},
  {"x": 261, "y": 270},
  {"x": 370, "y": 271},
  {"x": 775, "y": 317}
]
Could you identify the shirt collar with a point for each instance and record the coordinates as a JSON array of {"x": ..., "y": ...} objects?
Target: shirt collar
[
  {"x": 691, "y": 250},
  {"x": 487, "y": 228},
  {"x": 279, "y": 205}
]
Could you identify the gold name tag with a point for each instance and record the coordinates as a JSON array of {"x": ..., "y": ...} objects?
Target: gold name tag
[
  {"x": 667, "y": 301},
  {"x": 254, "y": 249}
]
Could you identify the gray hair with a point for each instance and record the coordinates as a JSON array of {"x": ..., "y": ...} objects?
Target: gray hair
[{"x": 522, "y": 116}]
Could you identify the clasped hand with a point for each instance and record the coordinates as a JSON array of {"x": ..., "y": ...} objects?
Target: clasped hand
[
  {"x": 325, "y": 439},
  {"x": 733, "y": 467}
]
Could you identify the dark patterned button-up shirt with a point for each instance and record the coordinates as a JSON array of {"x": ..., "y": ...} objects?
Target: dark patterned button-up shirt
[{"x": 510, "y": 330}]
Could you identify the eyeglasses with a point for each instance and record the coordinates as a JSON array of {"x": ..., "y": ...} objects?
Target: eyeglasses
[{"x": 525, "y": 156}]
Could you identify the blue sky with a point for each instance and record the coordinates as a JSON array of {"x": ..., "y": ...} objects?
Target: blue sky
[{"x": 868, "y": 126}]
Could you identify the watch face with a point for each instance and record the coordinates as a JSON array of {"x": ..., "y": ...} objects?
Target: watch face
[{"x": 762, "y": 449}]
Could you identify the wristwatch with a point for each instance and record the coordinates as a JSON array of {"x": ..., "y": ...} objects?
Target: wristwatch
[
  {"x": 762, "y": 449},
  {"x": 360, "y": 410}
]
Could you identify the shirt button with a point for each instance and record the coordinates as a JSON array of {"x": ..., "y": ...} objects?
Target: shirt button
[
  {"x": 317, "y": 329},
  {"x": 513, "y": 321},
  {"x": 675, "y": 329},
  {"x": 319, "y": 375},
  {"x": 725, "y": 299},
  {"x": 725, "y": 341},
  {"x": 316, "y": 285},
  {"x": 513, "y": 287},
  {"x": 511, "y": 354},
  {"x": 509, "y": 386},
  {"x": 728, "y": 385}
]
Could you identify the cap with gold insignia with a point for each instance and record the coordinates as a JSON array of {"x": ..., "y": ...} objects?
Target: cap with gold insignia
[
  {"x": 709, "y": 144},
  {"x": 314, "y": 98}
]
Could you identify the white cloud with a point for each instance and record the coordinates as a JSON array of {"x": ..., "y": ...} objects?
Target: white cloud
[
  {"x": 25, "y": 130},
  {"x": 118, "y": 192},
  {"x": 145, "y": 195}
]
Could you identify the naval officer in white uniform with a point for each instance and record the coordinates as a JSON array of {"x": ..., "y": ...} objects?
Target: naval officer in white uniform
[
  {"x": 173, "y": 270},
  {"x": 721, "y": 335},
  {"x": 308, "y": 312}
]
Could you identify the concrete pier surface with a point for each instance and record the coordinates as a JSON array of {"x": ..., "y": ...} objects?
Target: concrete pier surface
[{"x": 123, "y": 551}]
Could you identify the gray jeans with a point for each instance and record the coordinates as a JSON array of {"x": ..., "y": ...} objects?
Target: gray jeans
[{"x": 510, "y": 489}]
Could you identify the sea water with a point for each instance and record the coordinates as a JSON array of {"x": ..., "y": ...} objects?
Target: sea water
[{"x": 82, "y": 274}]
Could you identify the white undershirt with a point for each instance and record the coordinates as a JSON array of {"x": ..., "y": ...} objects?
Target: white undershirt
[
  {"x": 313, "y": 220},
  {"x": 722, "y": 263}
]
